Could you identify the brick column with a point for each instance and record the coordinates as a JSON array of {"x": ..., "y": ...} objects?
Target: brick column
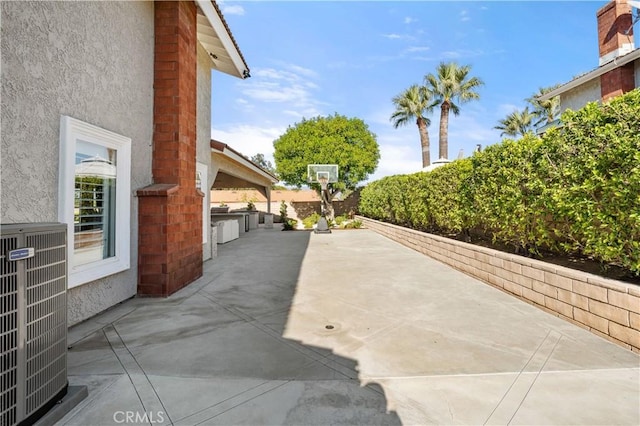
[
  {"x": 615, "y": 38},
  {"x": 170, "y": 211},
  {"x": 617, "y": 82}
]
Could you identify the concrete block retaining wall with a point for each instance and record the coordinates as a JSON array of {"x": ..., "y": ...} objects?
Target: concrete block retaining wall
[{"x": 608, "y": 308}]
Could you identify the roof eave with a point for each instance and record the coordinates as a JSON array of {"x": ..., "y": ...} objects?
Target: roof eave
[
  {"x": 237, "y": 66},
  {"x": 225, "y": 149},
  {"x": 617, "y": 62}
]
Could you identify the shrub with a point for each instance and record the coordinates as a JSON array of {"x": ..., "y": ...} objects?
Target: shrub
[
  {"x": 445, "y": 197},
  {"x": 289, "y": 224},
  {"x": 311, "y": 220},
  {"x": 597, "y": 183},
  {"x": 339, "y": 219},
  {"x": 575, "y": 190},
  {"x": 353, "y": 224}
]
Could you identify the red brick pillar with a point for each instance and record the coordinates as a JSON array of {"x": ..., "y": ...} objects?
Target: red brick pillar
[{"x": 170, "y": 211}]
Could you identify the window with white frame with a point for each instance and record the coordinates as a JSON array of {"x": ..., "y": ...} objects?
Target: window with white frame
[{"x": 94, "y": 200}]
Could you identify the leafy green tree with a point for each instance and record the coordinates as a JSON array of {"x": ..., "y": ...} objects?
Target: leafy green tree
[
  {"x": 451, "y": 86},
  {"x": 414, "y": 104},
  {"x": 335, "y": 139},
  {"x": 264, "y": 163},
  {"x": 518, "y": 123},
  {"x": 544, "y": 111}
]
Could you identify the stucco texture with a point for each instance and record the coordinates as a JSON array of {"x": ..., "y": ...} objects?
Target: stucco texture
[
  {"x": 203, "y": 131},
  {"x": 92, "y": 61},
  {"x": 578, "y": 97}
]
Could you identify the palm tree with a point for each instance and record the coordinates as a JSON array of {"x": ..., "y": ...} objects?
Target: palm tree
[
  {"x": 451, "y": 85},
  {"x": 545, "y": 111},
  {"x": 518, "y": 123},
  {"x": 413, "y": 104}
]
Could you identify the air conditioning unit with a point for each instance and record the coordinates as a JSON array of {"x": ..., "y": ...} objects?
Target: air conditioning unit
[{"x": 33, "y": 320}]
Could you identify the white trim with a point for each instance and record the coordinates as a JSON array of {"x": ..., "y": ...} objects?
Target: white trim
[
  {"x": 240, "y": 159},
  {"x": 617, "y": 62},
  {"x": 203, "y": 170},
  {"x": 218, "y": 26},
  {"x": 72, "y": 130},
  {"x": 621, "y": 51}
]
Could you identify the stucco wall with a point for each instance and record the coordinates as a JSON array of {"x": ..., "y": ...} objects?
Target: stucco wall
[
  {"x": 578, "y": 97},
  {"x": 203, "y": 132},
  {"x": 92, "y": 61}
]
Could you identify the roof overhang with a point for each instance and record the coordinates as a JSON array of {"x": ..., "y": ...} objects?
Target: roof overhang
[
  {"x": 585, "y": 78},
  {"x": 222, "y": 149},
  {"x": 215, "y": 36}
]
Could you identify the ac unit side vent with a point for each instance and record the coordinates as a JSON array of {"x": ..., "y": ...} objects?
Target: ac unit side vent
[{"x": 9, "y": 332}]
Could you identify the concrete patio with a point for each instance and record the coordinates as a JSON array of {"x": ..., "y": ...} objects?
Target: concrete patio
[{"x": 343, "y": 328}]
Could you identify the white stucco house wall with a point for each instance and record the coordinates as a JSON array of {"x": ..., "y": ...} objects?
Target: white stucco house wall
[{"x": 83, "y": 82}]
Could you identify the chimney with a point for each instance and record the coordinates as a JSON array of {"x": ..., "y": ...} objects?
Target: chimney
[
  {"x": 615, "y": 38},
  {"x": 614, "y": 20}
]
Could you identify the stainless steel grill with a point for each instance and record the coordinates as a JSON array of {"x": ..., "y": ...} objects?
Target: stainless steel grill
[{"x": 33, "y": 318}]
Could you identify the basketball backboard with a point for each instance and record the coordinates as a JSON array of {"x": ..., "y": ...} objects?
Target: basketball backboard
[{"x": 316, "y": 173}]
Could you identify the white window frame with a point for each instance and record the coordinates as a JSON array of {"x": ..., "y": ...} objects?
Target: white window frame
[{"x": 72, "y": 130}]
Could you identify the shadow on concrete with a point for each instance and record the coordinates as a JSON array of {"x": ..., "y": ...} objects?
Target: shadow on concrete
[{"x": 217, "y": 353}]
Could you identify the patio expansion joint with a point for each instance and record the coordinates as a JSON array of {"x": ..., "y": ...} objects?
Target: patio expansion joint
[
  {"x": 91, "y": 400},
  {"x": 314, "y": 356},
  {"x": 147, "y": 394},
  {"x": 215, "y": 410},
  {"x": 505, "y": 411}
]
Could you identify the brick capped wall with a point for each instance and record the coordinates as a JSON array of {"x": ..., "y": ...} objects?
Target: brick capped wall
[
  {"x": 617, "y": 81},
  {"x": 608, "y": 308},
  {"x": 170, "y": 214}
]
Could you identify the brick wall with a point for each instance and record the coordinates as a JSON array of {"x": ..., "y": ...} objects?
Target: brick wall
[
  {"x": 608, "y": 308},
  {"x": 170, "y": 214},
  {"x": 617, "y": 81},
  {"x": 614, "y": 19}
]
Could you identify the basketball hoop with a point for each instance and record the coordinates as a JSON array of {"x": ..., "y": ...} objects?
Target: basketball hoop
[
  {"x": 323, "y": 180},
  {"x": 323, "y": 174}
]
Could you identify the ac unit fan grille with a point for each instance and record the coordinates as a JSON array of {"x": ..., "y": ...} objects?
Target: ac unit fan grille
[{"x": 8, "y": 333}]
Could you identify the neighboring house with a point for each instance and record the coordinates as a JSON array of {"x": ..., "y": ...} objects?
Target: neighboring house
[
  {"x": 106, "y": 126},
  {"x": 618, "y": 70}
]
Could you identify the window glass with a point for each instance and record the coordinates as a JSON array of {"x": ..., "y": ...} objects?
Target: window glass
[{"x": 94, "y": 203}]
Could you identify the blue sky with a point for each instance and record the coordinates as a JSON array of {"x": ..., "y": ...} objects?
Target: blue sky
[{"x": 310, "y": 58}]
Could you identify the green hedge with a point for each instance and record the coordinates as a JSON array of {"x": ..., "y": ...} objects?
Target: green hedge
[{"x": 575, "y": 190}]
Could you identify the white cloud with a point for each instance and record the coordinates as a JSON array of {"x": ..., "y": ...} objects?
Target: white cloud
[
  {"x": 462, "y": 53},
  {"x": 465, "y": 131},
  {"x": 249, "y": 140},
  {"x": 269, "y": 92},
  {"x": 302, "y": 71},
  {"x": 293, "y": 86},
  {"x": 410, "y": 20},
  {"x": 397, "y": 159},
  {"x": 395, "y": 36},
  {"x": 464, "y": 16},
  {"x": 234, "y": 9},
  {"x": 504, "y": 109},
  {"x": 414, "y": 49}
]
